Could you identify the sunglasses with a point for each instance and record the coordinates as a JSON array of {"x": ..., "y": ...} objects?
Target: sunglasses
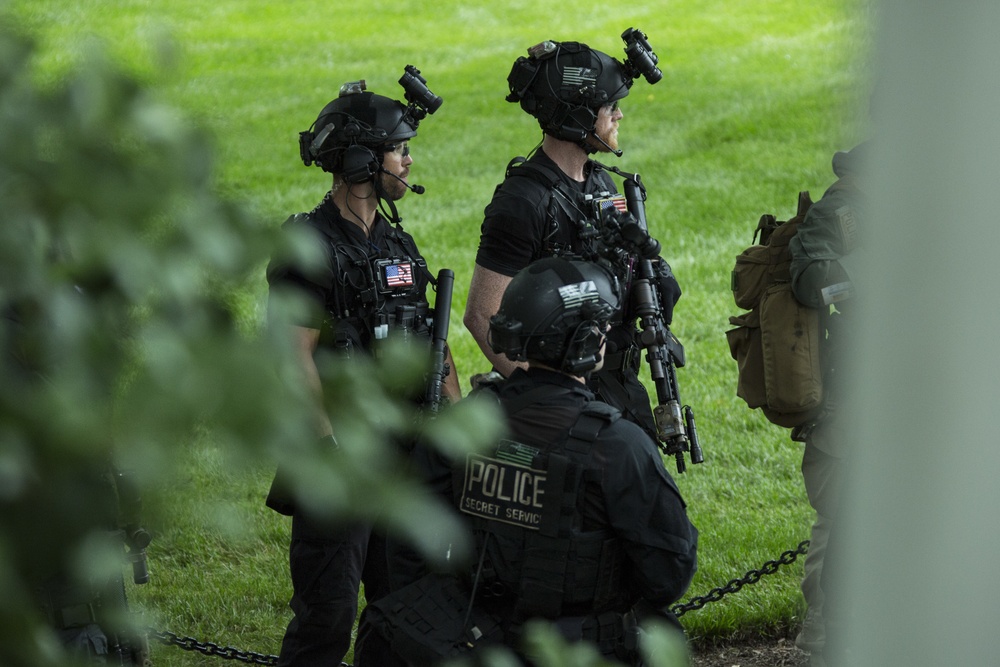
[
  {"x": 402, "y": 150},
  {"x": 613, "y": 107}
]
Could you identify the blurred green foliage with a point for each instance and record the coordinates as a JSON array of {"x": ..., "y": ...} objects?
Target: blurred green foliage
[
  {"x": 119, "y": 270},
  {"x": 756, "y": 97}
]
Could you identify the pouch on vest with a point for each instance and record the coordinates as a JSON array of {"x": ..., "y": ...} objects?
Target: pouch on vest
[
  {"x": 775, "y": 344},
  {"x": 428, "y": 621},
  {"x": 745, "y": 347},
  {"x": 790, "y": 339}
]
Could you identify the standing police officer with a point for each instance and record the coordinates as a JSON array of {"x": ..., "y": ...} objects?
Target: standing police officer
[
  {"x": 372, "y": 283},
  {"x": 823, "y": 251},
  {"x": 552, "y": 203},
  {"x": 574, "y": 516}
]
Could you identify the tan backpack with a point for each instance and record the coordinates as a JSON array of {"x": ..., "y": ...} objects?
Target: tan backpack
[{"x": 776, "y": 344}]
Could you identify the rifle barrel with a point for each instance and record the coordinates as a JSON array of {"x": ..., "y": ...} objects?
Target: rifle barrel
[{"x": 439, "y": 338}]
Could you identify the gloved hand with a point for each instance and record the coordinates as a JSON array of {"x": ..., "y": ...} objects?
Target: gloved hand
[{"x": 670, "y": 289}]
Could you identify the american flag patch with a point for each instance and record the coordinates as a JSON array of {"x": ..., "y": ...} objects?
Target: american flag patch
[
  {"x": 577, "y": 294},
  {"x": 617, "y": 202},
  {"x": 399, "y": 275},
  {"x": 575, "y": 78}
]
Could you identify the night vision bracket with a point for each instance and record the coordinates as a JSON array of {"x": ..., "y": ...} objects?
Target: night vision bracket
[
  {"x": 640, "y": 59},
  {"x": 422, "y": 100}
]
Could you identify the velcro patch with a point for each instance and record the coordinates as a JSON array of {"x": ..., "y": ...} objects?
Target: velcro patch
[
  {"x": 575, "y": 295},
  {"x": 503, "y": 491},
  {"x": 848, "y": 228},
  {"x": 837, "y": 292}
]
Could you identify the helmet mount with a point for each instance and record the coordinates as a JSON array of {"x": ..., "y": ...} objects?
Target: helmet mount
[
  {"x": 564, "y": 84},
  {"x": 352, "y": 131}
]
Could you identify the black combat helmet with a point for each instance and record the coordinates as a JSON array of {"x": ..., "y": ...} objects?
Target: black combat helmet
[
  {"x": 555, "y": 312},
  {"x": 564, "y": 84},
  {"x": 353, "y": 131}
]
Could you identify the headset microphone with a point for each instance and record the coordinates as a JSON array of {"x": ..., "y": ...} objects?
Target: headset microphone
[
  {"x": 415, "y": 189},
  {"x": 617, "y": 152}
]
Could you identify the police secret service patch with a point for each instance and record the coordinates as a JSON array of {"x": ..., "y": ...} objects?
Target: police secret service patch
[{"x": 500, "y": 489}]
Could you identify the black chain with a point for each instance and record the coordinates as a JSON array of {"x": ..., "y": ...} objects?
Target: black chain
[
  {"x": 751, "y": 577},
  {"x": 716, "y": 594},
  {"x": 210, "y": 648}
]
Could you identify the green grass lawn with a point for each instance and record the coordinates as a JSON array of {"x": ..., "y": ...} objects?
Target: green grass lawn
[{"x": 756, "y": 96}]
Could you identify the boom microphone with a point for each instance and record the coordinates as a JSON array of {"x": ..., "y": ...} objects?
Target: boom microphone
[
  {"x": 617, "y": 152},
  {"x": 415, "y": 189}
]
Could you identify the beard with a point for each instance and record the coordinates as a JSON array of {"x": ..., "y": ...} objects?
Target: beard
[
  {"x": 393, "y": 188},
  {"x": 609, "y": 136}
]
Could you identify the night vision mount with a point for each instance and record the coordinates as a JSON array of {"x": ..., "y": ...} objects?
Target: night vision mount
[
  {"x": 422, "y": 100},
  {"x": 640, "y": 59},
  {"x": 386, "y": 121}
]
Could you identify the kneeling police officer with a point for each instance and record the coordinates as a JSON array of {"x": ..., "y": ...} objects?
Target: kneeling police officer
[{"x": 574, "y": 516}]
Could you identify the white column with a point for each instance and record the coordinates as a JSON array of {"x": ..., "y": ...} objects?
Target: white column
[{"x": 924, "y": 513}]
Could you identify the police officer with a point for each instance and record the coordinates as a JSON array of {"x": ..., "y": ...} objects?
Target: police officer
[
  {"x": 552, "y": 203},
  {"x": 574, "y": 516},
  {"x": 823, "y": 251},
  {"x": 372, "y": 283},
  {"x": 73, "y": 498}
]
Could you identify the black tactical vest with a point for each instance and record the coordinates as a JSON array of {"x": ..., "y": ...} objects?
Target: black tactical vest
[
  {"x": 376, "y": 289},
  {"x": 573, "y": 216},
  {"x": 523, "y": 503}
]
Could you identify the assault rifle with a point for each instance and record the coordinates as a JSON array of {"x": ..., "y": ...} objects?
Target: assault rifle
[
  {"x": 433, "y": 399},
  {"x": 135, "y": 536},
  {"x": 675, "y": 425}
]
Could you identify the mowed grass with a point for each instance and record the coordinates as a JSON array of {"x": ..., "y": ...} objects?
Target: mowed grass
[{"x": 756, "y": 96}]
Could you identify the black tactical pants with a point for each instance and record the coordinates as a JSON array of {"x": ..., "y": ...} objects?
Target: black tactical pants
[{"x": 327, "y": 564}]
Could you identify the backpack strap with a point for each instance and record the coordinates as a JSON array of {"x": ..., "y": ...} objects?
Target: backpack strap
[
  {"x": 805, "y": 201},
  {"x": 765, "y": 226},
  {"x": 559, "y": 199},
  {"x": 768, "y": 223},
  {"x": 520, "y": 166},
  {"x": 552, "y": 182}
]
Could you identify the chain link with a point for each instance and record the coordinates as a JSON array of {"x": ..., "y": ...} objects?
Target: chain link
[
  {"x": 211, "y": 648},
  {"x": 751, "y": 577},
  {"x": 716, "y": 594}
]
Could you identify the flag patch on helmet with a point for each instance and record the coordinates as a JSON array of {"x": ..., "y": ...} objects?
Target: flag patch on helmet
[
  {"x": 576, "y": 294},
  {"x": 579, "y": 77}
]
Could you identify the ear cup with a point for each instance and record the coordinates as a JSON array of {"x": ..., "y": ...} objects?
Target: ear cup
[
  {"x": 580, "y": 120},
  {"x": 583, "y": 348},
  {"x": 360, "y": 164}
]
